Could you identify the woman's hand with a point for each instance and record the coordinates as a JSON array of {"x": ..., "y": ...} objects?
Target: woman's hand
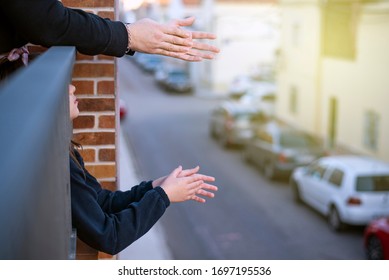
[{"x": 169, "y": 39}]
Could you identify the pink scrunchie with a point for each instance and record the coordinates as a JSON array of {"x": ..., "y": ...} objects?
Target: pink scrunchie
[{"x": 22, "y": 53}]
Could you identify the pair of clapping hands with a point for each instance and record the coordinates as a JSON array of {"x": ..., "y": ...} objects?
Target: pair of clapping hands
[{"x": 186, "y": 184}]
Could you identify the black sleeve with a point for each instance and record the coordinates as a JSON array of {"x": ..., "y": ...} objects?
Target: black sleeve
[
  {"x": 49, "y": 23},
  {"x": 112, "y": 232},
  {"x": 116, "y": 201}
]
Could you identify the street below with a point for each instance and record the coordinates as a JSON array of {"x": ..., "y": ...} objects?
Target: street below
[{"x": 250, "y": 217}]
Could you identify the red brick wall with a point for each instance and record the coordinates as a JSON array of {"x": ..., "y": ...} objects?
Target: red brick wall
[{"x": 95, "y": 128}]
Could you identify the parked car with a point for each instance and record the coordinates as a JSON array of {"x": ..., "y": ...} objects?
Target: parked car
[
  {"x": 122, "y": 109},
  {"x": 376, "y": 239},
  {"x": 231, "y": 123},
  {"x": 347, "y": 189},
  {"x": 277, "y": 149},
  {"x": 152, "y": 63},
  {"x": 148, "y": 62},
  {"x": 239, "y": 86},
  {"x": 177, "y": 81}
]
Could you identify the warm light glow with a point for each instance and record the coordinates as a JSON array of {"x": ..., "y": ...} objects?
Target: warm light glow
[
  {"x": 132, "y": 4},
  {"x": 135, "y": 4}
]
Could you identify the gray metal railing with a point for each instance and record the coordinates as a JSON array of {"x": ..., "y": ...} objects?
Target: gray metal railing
[{"x": 35, "y": 131}]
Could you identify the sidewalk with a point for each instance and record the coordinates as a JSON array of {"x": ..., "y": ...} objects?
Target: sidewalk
[{"x": 151, "y": 246}]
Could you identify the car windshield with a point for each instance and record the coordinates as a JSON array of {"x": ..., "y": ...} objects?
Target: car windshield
[
  {"x": 243, "y": 116},
  {"x": 178, "y": 75},
  {"x": 373, "y": 183},
  {"x": 296, "y": 140}
]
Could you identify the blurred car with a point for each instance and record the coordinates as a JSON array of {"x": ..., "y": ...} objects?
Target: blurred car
[
  {"x": 239, "y": 86},
  {"x": 177, "y": 81},
  {"x": 262, "y": 95},
  {"x": 122, "y": 109},
  {"x": 151, "y": 63},
  {"x": 232, "y": 123},
  {"x": 347, "y": 189},
  {"x": 376, "y": 239},
  {"x": 148, "y": 62},
  {"x": 277, "y": 149}
]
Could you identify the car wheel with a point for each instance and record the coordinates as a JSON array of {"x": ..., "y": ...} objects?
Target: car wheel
[
  {"x": 223, "y": 139},
  {"x": 296, "y": 192},
  {"x": 212, "y": 132},
  {"x": 334, "y": 219},
  {"x": 269, "y": 170},
  {"x": 374, "y": 248}
]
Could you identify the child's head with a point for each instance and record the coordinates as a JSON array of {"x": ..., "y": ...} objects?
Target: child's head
[{"x": 73, "y": 103}]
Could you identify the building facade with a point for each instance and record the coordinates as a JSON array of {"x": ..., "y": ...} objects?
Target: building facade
[{"x": 331, "y": 72}]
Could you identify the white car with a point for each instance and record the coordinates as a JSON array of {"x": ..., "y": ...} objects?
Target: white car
[{"x": 347, "y": 189}]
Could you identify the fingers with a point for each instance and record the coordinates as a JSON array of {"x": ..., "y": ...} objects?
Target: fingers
[
  {"x": 185, "y": 22},
  {"x": 182, "y": 56},
  {"x": 203, "y": 35},
  {"x": 176, "y": 171},
  {"x": 205, "y": 47},
  {"x": 209, "y": 187},
  {"x": 176, "y": 31},
  {"x": 189, "y": 172},
  {"x": 198, "y": 199},
  {"x": 205, "y": 193}
]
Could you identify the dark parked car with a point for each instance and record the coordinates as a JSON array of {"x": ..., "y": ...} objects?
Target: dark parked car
[
  {"x": 376, "y": 239},
  {"x": 231, "y": 123},
  {"x": 278, "y": 149},
  {"x": 177, "y": 81}
]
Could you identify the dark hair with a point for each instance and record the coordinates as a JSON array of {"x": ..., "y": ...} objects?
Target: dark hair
[{"x": 72, "y": 147}]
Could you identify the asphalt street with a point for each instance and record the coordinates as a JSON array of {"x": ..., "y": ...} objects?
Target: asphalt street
[{"x": 250, "y": 217}]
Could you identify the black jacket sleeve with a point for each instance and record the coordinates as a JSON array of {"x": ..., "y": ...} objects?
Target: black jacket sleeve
[
  {"x": 111, "y": 221},
  {"x": 49, "y": 23}
]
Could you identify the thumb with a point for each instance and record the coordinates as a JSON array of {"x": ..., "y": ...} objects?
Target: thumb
[
  {"x": 186, "y": 22},
  {"x": 176, "y": 171}
]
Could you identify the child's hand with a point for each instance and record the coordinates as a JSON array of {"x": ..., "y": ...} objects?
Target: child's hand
[{"x": 182, "y": 185}]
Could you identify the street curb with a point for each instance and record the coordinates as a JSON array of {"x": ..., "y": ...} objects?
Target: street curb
[{"x": 151, "y": 246}]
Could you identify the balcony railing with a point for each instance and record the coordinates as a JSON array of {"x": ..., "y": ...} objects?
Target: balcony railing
[{"x": 35, "y": 131}]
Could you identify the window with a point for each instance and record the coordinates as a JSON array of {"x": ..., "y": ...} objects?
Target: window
[
  {"x": 296, "y": 34},
  {"x": 293, "y": 100},
  {"x": 373, "y": 183},
  {"x": 336, "y": 177},
  {"x": 371, "y": 125},
  {"x": 339, "y": 29},
  {"x": 316, "y": 171}
]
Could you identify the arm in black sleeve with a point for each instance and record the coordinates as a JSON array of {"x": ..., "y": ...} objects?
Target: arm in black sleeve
[
  {"x": 49, "y": 23},
  {"x": 112, "y": 232}
]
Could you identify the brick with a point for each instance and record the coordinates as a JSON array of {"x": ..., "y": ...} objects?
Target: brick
[
  {"x": 106, "y": 14},
  {"x": 109, "y": 185},
  {"x": 89, "y": 3},
  {"x": 80, "y": 56},
  {"x": 95, "y": 138},
  {"x": 107, "y": 121},
  {"x": 105, "y": 256},
  {"x": 84, "y": 122},
  {"x": 93, "y": 70},
  {"x": 89, "y": 155},
  {"x": 105, "y": 57},
  {"x": 96, "y": 104},
  {"x": 106, "y": 87},
  {"x": 107, "y": 155},
  {"x": 83, "y": 87},
  {"x": 102, "y": 171},
  {"x": 85, "y": 252}
]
